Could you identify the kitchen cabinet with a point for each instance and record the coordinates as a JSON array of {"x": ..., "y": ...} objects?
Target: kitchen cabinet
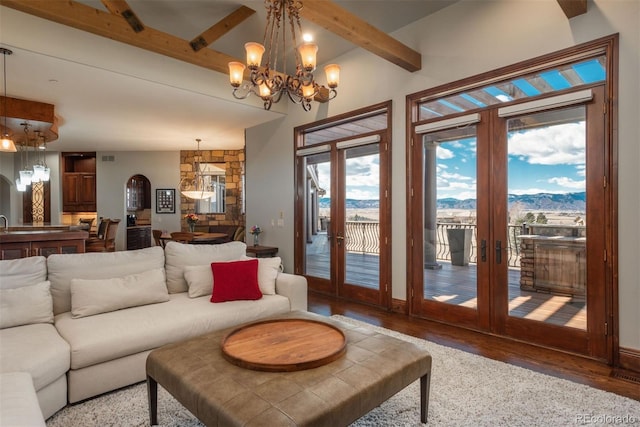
[
  {"x": 138, "y": 193},
  {"x": 79, "y": 182},
  {"x": 138, "y": 237},
  {"x": 15, "y": 245},
  {"x": 79, "y": 192}
]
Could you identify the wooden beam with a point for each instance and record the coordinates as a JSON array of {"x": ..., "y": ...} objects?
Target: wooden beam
[
  {"x": 121, "y": 8},
  {"x": 86, "y": 18},
  {"x": 359, "y": 32},
  {"x": 221, "y": 28},
  {"x": 573, "y": 8}
]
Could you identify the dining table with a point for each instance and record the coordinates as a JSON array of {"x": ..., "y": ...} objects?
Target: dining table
[{"x": 200, "y": 238}]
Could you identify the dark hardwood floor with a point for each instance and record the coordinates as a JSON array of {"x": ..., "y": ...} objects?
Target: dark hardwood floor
[{"x": 550, "y": 362}]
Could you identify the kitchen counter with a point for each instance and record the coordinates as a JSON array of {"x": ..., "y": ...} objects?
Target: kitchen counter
[{"x": 22, "y": 242}]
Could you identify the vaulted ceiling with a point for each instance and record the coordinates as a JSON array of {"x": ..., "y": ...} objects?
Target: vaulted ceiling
[{"x": 122, "y": 77}]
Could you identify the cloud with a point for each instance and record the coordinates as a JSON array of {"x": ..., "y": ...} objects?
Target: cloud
[
  {"x": 520, "y": 192},
  {"x": 581, "y": 170},
  {"x": 563, "y": 181},
  {"x": 444, "y": 153},
  {"x": 554, "y": 145}
]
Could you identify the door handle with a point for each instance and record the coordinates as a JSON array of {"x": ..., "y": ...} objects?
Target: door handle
[
  {"x": 483, "y": 250},
  {"x": 339, "y": 239},
  {"x": 498, "y": 252}
]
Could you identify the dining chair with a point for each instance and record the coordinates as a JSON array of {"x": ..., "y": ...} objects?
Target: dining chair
[
  {"x": 108, "y": 242},
  {"x": 156, "y": 238},
  {"x": 182, "y": 236}
]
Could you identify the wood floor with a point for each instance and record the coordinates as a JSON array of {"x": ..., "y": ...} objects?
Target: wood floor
[{"x": 550, "y": 362}]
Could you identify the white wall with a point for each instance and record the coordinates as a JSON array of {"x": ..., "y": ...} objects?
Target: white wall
[
  {"x": 162, "y": 168},
  {"x": 467, "y": 38}
]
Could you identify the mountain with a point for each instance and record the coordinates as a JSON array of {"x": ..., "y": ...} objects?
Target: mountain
[{"x": 531, "y": 202}]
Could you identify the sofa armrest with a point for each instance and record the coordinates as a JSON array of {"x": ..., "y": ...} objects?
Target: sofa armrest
[
  {"x": 18, "y": 401},
  {"x": 293, "y": 287}
]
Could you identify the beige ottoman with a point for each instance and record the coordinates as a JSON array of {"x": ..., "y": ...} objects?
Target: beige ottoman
[{"x": 374, "y": 368}]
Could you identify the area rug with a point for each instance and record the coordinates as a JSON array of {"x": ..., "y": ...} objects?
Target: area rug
[{"x": 466, "y": 390}]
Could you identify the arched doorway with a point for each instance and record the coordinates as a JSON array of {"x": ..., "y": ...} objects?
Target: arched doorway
[{"x": 138, "y": 212}]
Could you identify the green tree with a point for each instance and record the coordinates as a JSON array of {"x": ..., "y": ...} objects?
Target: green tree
[{"x": 541, "y": 219}]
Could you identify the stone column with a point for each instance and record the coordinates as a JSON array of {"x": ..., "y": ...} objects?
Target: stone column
[{"x": 430, "y": 205}]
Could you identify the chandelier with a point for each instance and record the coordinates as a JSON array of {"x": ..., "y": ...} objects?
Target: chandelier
[
  {"x": 267, "y": 82},
  {"x": 196, "y": 188},
  {"x": 6, "y": 143}
]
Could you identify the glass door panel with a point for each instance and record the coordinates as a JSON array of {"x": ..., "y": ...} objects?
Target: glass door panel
[
  {"x": 361, "y": 244},
  {"x": 450, "y": 247},
  {"x": 317, "y": 225},
  {"x": 547, "y": 222}
]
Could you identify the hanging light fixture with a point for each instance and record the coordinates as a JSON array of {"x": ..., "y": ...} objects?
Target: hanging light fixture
[
  {"x": 26, "y": 174},
  {"x": 197, "y": 187},
  {"x": 6, "y": 143},
  {"x": 40, "y": 170},
  {"x": 267, "y": 82}
]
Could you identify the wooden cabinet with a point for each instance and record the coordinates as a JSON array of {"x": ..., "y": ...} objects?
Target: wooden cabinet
[
  {"x": 22, "y": 245},
  {"x": 79, "y": 192},
  {"x": 138, "y": 237},
  {"x": 138, "y": 193},
  {"x": 79, "y": 182}
]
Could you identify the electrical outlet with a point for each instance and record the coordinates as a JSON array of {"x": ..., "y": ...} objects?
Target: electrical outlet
[
  {"x": 273, "y": 222},
  {"x": 281, "y": 223}
]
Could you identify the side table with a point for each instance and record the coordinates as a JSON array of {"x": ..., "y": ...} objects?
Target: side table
[{"x": 262, "y": 251}]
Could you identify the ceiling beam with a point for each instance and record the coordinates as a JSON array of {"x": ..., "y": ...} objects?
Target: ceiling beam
[
  {"x": 86, "y": 18},
  {"x": 359, "y": 32},
  {"x": 121, "y": 8},
  {"x": 573, "y": 8},
  {"x": 221, "y": 28}
]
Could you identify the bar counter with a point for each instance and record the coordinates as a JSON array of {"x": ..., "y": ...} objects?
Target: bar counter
[{"x": 26, "y": 241}]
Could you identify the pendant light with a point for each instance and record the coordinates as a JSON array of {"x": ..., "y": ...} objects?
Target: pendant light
[
  {"x": 197, "y": 187},
  {"x": 6, "y": 143}
]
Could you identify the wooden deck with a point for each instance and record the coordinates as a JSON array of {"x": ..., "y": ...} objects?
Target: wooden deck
[{"x": 457, "y": 285}]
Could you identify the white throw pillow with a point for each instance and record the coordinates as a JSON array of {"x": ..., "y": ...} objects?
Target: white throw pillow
[
  {"x": 199, "y": 280},
  {"x": 26, "y": 305},
  {"x": 89, "y": 297},
  {"x": 268, "y": 269},
  {"x": 180, "y": 255}
]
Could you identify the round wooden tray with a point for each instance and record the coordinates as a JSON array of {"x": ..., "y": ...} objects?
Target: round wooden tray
[{"x": 284, "y": 345}]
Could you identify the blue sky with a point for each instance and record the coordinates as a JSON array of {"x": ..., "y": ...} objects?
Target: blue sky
[{"x": 542, "y": 160}]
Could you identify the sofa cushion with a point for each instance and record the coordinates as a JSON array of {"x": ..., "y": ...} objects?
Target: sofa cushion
[
  {"x": 235, "y": 280},
  {"x": 106, "y": 265},
  {"x": 179, "y": 255},
  {"x": 268, "y": 269},
  {"x": 22, "y": 272},
  {"x": 26, "y": 305},
  {"x": 199, "y": 280},
  {"x": 109, "y": 336},
  {"x": 37, "y": 349},
  {"x": 90, "y": 297}
]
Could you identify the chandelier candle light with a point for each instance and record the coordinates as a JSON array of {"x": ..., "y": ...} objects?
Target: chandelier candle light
[{"x": 267, "y": 82}]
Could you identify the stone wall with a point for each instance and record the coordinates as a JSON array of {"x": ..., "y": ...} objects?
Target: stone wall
[{"x": 234, "y": 166}]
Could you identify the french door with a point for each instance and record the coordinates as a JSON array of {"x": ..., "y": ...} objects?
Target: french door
[
  {"x": 511, "y": 211},
  {"x": 343, "y": 231},
  {"x": 343, "y": 206}
]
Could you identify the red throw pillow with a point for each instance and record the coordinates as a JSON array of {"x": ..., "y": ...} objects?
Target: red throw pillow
[{"x": 235, "y": 280}]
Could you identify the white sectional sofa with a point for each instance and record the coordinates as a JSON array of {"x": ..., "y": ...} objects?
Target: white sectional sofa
[{"x": 107, "y": 311}]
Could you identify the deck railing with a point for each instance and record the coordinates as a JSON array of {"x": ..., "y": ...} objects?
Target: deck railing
[{"x": 364, "y": 237}]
